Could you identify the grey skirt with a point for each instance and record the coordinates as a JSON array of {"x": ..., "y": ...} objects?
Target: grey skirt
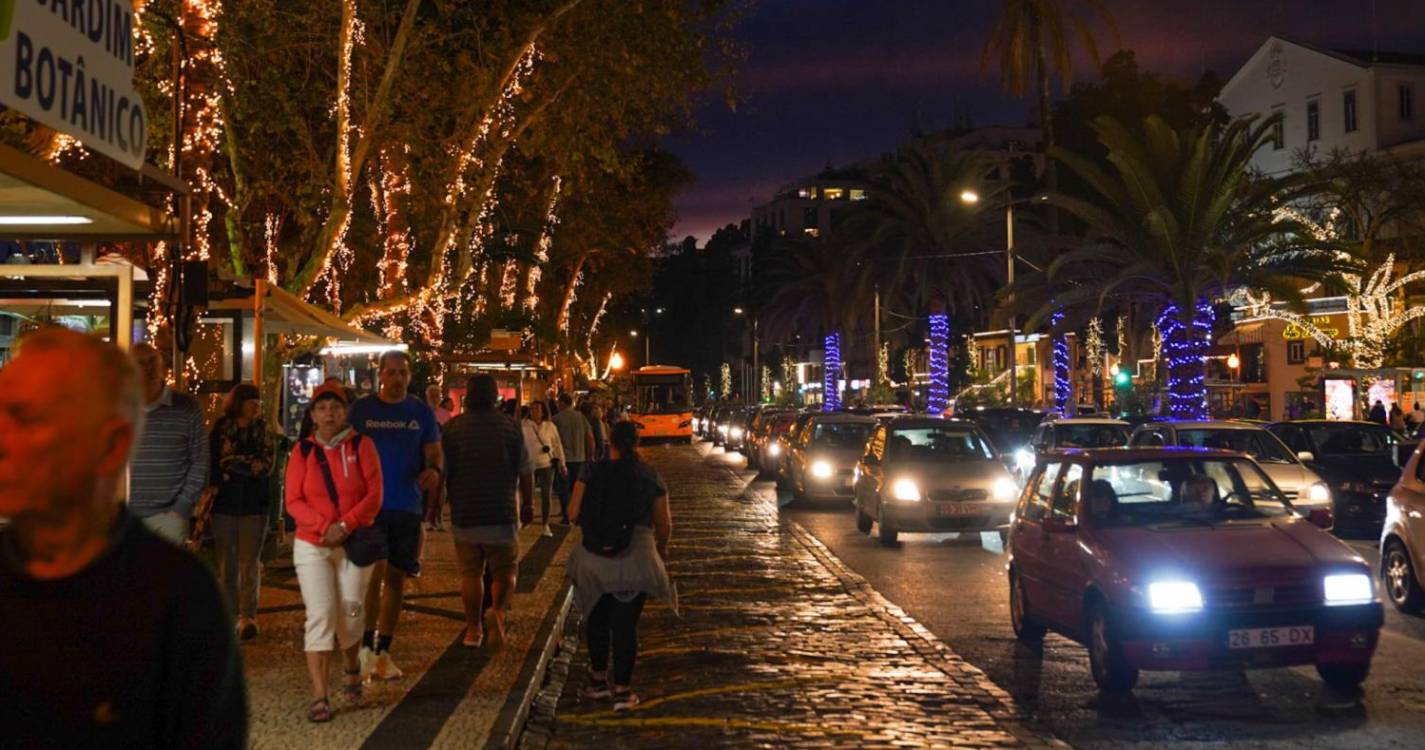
[{"x": 638, "y": 569}]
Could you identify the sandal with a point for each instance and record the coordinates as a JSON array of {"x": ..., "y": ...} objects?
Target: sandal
[
  {"x": 319, "y": 711},
  {"x": 626, "y": 701},
  {"x": 352, "y": 691}
]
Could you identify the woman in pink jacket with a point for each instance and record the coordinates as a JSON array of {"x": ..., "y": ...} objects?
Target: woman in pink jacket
[{"x": 333, "y": 587}]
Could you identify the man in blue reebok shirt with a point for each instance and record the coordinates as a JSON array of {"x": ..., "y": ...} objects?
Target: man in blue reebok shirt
[{"x": 407, "y": 438}]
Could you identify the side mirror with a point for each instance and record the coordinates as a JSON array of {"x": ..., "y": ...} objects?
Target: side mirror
[
  {"x": 1060, "y": 525},
  {"x": 1323, "y": 518},
  {"x": 1305, "y": 456}
]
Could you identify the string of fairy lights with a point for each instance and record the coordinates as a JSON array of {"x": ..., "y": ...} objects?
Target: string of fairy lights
[
  {"x": 1063, "y": 386},
  {"x": 831, "y": 372},
  {"x": 1184, "y": 350},
  {"x": 938, "y": 390}
]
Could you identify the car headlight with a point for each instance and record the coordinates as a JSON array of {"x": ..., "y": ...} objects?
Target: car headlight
[
  {"x": 774, "y": 449},
  {"x": 1174, "y": 597},
  {"x": 905, "y": 488},
  {"x": 737, "y": 433},
  {"x": 821, "y": 469},
  {"x": 1317, "y": 493},
  {"x": 1024, "y": 459},
  {"x": 1004, "y": 490},
  {"x": 1348, "y": 588}
]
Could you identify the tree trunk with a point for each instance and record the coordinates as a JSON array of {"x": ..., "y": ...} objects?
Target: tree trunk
[
  {"x": 1186, "y": 332},
  {"x": 561, "y": 321},
  {"x": 1062, "y": 384},
  {"x": 831, "y": 372},
  {"x": 1046, "y": 129},
  {"x": 938, "y": 391}
]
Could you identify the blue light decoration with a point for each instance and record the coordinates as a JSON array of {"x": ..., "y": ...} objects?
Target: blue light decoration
[
  {"x": 831, "y": 372},
  {"x": 1062, "y": 384},
  {"x": 938, "y": 394},
  {"x": 1185, "y": 353}
]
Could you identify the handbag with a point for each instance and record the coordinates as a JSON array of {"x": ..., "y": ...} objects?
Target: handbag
[{"x": 365, "y": 545}]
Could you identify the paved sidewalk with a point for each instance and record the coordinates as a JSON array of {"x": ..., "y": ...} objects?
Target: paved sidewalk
[
  {"x": 779, "y": 644},
  {"x": 450, "y": 696}
]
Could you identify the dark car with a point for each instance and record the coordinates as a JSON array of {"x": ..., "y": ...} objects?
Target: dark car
[
  {"x": 763, "y": 428},
  {"x": 1357, "y": 460},
  {"x": 1184, "y": 559},
  {"x": 1008, "y": 429}
]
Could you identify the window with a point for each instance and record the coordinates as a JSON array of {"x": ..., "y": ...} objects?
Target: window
[
  {"x": 1407, "y": 102},
  {"x": 1348, "y": 105},
  {"x": 833, "y": 194},
  {"x": 807, "y": 192},
  {"x": 858, "y": 194},
  {"x": 1279, "y": 131},
  {"x": 1313, "y": 120},
  {"x": 1038, "y": 504},
  {"x": 1295, "y": 352},
  {"x": 1063, "y": 508}
]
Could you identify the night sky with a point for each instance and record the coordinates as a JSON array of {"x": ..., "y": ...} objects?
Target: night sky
[{"x": 839, "y": 80}]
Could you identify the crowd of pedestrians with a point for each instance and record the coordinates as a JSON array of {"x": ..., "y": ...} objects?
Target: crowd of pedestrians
[{"x": 103, "y": 466}]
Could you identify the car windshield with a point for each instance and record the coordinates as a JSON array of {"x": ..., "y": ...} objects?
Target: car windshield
[
  {"x": 840, "y": 434},
  {"x": 937, "y": 443},
  {"x": 1187, "y": 490},
  {"x": 1352, "y": 439},
  {"x": 1090, "y": 435},
  {"x": 1258, "y": 444}
]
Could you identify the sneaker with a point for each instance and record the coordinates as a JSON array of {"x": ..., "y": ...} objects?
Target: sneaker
[
  {"x": 473, "y": 638},
  {"x": 547, "y": 531},
  {"x": 626, "y": 701},
  {"x": 365, "y": 657},
  {"x": 596, "y": 690},
  {"x": 383, "y": 668}
]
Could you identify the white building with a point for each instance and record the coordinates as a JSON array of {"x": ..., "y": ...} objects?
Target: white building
[{"x": 1330, "y": 99}]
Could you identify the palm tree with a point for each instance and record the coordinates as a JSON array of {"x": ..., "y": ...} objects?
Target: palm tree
[
  {"x": 1177, "y": 221},
  {"x": 1031, "y": 41},
  {"x": 915, "y": 237},
  {"x": 811, "y": 288}
]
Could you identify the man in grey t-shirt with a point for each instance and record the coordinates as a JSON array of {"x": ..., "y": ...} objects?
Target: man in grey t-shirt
[
  {"x": 577, "y": 438},
  {"x": 486, "y": 462}
]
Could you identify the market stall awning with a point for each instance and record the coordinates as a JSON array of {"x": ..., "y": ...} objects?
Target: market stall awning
[
  {"x": 41, "y": 201},
  {"x": 283, "y": 312}
]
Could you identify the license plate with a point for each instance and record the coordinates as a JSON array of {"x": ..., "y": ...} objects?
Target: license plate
[
  {"x": 1300, "y": 635},
  {"x": 959, "y": 509}
]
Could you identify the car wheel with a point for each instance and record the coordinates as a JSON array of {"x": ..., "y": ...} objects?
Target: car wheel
[
  {"x": 887, "y": 533},
  {"x": 863, "y": 520},
  {"x": 1110, "y": 670},
  {"x": 1398, "y": 579},
  {"x": 1346, "y": 676},
  {"x": 1026, "y": 629}
]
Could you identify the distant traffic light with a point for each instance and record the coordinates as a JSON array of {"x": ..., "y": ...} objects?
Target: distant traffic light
[{"x": 1122, "y": 379}]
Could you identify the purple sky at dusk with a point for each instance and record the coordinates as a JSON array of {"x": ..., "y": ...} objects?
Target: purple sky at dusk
[{"x": 840, "y": 80}]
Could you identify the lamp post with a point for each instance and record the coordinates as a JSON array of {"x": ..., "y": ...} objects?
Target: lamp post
[
  {"x": 647, "y": 347},
  {"x": 970, "y": 198},
  {"x": 755, "y": 373}
]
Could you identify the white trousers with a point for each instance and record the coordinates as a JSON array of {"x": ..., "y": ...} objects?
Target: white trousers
[{"x": 334, "y": 591}]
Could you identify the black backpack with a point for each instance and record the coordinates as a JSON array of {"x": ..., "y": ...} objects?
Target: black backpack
[{"x": 616, "y": 498}]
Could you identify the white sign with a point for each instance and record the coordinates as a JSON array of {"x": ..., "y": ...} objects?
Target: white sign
[{"x": 70, "y": 65}]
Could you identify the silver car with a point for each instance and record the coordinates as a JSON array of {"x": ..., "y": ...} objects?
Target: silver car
[
  {"x": 821, "y": 457},
  {"x": 1302, "y": 486},
  {"x": 925, "y": 474}
]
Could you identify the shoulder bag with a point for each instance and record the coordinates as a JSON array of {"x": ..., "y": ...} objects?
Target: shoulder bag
[{"x": 365, "y": 545}]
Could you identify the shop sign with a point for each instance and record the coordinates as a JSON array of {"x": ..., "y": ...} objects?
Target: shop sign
[
  {"x": 1294, "y": 332},
  {"x": 70, "y": 65}
]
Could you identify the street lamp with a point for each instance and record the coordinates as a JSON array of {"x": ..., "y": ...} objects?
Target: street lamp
[
  {"x": 756, "y": 361},
  {"x": 647, "y": 345},
  {"x": 971, "y": 198},
  {"x": 615, "y": 361}
]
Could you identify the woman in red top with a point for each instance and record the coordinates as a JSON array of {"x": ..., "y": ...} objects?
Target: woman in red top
[{"x": 333, "y": 588}]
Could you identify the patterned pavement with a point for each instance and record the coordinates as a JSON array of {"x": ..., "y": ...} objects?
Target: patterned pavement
[{"x": 778, "y": 644}]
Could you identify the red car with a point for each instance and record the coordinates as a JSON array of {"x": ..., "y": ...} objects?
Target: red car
[{"x": 1184, "y": 559}]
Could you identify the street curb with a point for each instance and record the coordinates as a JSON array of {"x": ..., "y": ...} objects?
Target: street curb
[
  {"x": 510, "y": 724},
  {"x": 928, "y": 644}
]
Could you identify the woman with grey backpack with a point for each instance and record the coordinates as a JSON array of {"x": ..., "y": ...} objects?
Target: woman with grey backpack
[{"x": 621, "y": 505}]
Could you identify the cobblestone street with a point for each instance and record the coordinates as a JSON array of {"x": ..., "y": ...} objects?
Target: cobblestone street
[{"x": 778, "y": 644}]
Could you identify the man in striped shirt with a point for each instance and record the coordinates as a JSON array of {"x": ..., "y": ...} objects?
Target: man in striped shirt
[{"x": 170, "y": 466}]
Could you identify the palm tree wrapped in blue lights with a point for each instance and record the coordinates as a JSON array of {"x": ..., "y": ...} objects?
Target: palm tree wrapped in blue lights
[
  {"x": 1175, "y": 220},
  {"x": 1062, "y": 385}
]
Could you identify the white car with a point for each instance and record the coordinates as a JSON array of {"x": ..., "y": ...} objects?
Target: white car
[
  {"x": 1302, "y": 486},
  {"x": 1070, "y": 432}
]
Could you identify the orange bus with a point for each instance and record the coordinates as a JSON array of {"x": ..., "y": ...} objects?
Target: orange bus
[{"x": 662, "y": 403}]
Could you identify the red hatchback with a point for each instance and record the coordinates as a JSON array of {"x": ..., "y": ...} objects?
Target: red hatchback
[{"x": 1184, "y": 559}]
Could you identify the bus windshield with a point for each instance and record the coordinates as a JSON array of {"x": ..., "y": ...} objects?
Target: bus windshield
[{"x": 661, "y": 394}]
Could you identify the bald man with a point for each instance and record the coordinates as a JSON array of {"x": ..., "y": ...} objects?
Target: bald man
[{"x": 112, "y": 636}]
